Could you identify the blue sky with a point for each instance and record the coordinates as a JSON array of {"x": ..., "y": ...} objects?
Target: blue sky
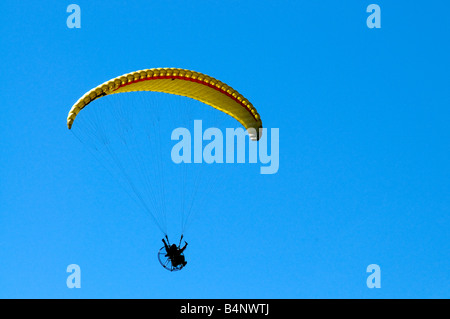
[{"x": 364, "y": 150}]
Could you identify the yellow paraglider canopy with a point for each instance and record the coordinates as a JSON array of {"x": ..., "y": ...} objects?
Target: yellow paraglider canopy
[{"x": 182, "y": 82}]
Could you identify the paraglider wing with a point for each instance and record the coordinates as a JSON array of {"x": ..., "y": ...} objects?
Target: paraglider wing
[{"x": 182, "y": 82}]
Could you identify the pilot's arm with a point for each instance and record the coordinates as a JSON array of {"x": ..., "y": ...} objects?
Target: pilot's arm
[{"x": 165, "y": 245}]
